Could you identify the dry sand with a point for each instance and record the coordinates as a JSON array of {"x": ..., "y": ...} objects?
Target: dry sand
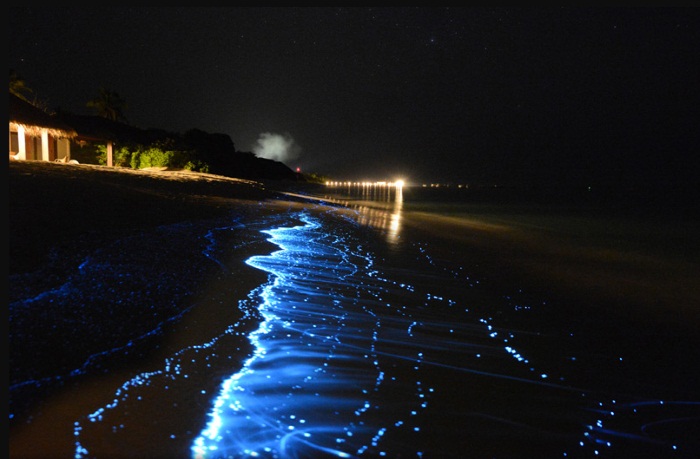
[{"x": 56, "y": 206}]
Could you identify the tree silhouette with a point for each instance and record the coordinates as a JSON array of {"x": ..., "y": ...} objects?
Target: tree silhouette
[
  {"x": 109, "y": 105},
  {"x": 18, "y": 86}
]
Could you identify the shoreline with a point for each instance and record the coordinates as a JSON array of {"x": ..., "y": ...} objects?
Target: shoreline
[{"x": 179, "y": 269}]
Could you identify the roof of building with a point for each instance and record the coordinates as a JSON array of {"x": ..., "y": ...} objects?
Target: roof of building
[{"x": 33, "y": 119}]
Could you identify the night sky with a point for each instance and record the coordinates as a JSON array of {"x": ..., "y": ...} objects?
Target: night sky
[{"x": 510, "y": 96}]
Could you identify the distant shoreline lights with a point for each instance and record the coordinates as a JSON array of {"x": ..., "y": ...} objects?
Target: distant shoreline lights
[{"x": 397, "y": 184}]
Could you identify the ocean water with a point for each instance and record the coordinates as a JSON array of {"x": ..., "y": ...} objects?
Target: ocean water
[
  {"x": 407, "y": 322},
  {"x": 399, "y": 348}
]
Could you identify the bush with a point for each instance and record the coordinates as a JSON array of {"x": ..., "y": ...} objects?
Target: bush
[
  {"x": 152, "y": 157},
  {"x": 196, "y": 166},
  {"x": 159, "y": 154}
]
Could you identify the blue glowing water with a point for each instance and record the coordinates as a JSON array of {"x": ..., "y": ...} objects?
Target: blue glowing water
[
  {"x": 360, "y": 358},
  {"x": 372, "y": 335}
]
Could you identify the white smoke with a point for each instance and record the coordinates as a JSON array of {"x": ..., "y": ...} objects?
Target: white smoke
[{"x": 277, "y": 147}]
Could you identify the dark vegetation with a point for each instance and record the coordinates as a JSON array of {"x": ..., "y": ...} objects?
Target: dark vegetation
[{"x": 194, "y": 150}]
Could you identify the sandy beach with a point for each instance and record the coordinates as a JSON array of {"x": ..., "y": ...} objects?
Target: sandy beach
[
  {"x": 62, "y": 214},
  {"x": 142, "y": 300}
]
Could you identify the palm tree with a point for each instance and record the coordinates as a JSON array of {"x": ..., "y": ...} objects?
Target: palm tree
[
  {"x": 109, "y": 105},
  {"x": 18, "y": 86}
]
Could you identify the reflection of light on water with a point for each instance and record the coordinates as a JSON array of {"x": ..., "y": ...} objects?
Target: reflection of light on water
[
  {"x": 388, "y": 217},
  {"x": 395, "y": 225}
]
